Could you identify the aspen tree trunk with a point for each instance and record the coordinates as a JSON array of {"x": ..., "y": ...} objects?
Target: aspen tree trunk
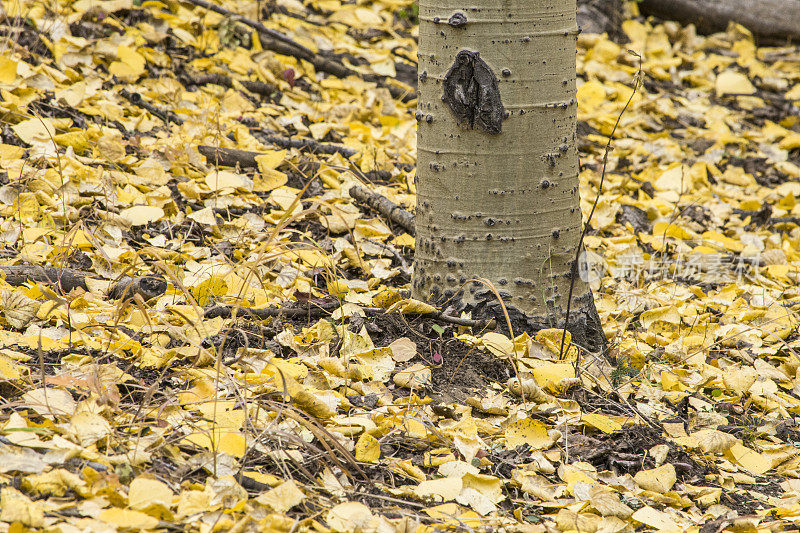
[{"x": 497, "y": 168}]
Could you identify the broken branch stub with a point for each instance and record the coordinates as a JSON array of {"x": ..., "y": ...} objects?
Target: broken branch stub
[{"x": 472, "y": 94}]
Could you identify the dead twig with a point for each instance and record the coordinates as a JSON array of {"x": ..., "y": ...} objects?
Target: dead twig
[{"x": 385, "y": 207}]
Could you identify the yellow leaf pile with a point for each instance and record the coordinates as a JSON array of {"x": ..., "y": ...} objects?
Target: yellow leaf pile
[{"x": 201, "y": 330}]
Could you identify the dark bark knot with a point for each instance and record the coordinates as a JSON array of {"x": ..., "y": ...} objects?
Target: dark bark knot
[
  {"x": 472, "y": 94},
  {"x": 458, "y": 20}
]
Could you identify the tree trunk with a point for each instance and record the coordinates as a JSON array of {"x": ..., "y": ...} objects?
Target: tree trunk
[
  {"x": 774, "y": 21},
  {"x": 497, "y": 169}
]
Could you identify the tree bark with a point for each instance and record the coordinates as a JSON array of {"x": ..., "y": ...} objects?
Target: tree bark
[
  {"x": 497, "y": 168},
  {"x": 772, "y": 20}
]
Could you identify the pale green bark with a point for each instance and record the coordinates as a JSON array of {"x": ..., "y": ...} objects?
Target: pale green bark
[{"x": 502, "y": 206}]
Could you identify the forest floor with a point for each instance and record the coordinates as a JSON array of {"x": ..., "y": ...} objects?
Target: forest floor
[{"x": 139, "y": 391}]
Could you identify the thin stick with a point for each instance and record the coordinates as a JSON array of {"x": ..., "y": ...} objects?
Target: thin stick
[{"x": 636, "y": 83}]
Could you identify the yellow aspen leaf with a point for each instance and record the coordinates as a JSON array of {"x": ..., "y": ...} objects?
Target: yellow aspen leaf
[
  {"x": 667, "y": 314},
  {"x": 15, "y": 507},
  {"x": 283, "y": 497},
  {"x": 748, "y": 459},
  {"x": 569, "y": 520},
  {"x": 368, "y": 449},
  {"x": 547, "y": 373},
  {"x": 10, "y": 152},
  {"x": 608, "y": 503},
  {"x": 380, "y": 361},
  {"x": 50, "y": 402},
  {"x": 403, "y": 349},
  {"x": 192, "y": 502},
  {"x": 35, "y": 130},
  {"x": 591, "y": 95},
  {"x": 498, "y": 344},
  {"x": 127, "y": 518},
  {"x": 89, "y": 427},
  {"x": 316, "y": 404},
  {"x": 726, "y": 242},
  {"x": 528, "y": 431},
  {"x": 404, "y": 240},
  {"x": 654, "y": 518},
  {"x": 358, "y": 17},
  {"x": 225, "y": 181},
  {"x": 149, "y": 495},
  {"x": 232, "y": 443},
  {"x": 213, "y": 287},
  {"x": 669, "y": 229},
  {"x": 490, "y": 486},
  {"x": 76, "y": 139},
  {"x": 338, "y": 288},
  {"x": 739, "y": 379},
  {"x": 386, "y": 298},
  {"x": 732, "y": 82},
  {"x": 660, "y": 479},
  {"x": 141, "y": 215},
  {"x": 412, "y": 306},
  {"x": 203, "y": 216},
  {"x": 478, "y": 501},
  {"x": 714, "y": 441},
  {"x": 10, "y": 370},
  {"x": 8, "y": 70},
  {"x": 130, "y": 64},
  {"x": 413, "y": 377},
  {"x": 269, "y": 180},
  {"x": 349, "y": 516},
  {"x": 529, "y": 388},
  {"x": 601, "y": 422},
  {"x": 444, "y": 489},
  {"x": 18, "y": 309}
]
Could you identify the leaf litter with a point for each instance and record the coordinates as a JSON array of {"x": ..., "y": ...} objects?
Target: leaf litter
[{"x": 202, "y": 330}]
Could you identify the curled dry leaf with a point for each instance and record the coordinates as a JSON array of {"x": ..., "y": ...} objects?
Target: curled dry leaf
[
  {"x": 18, "y": 309},
  {"x": 413, "y": 377},
  {"x": 658, "y": 480}
]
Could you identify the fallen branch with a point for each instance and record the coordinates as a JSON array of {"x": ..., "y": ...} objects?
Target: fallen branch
[
  {"x": 261, "y": 88},
  {"x": 232, "y": 157},
  {"x": 280, "y": 43},
  {"x": 763, "y": 216},
  {"x": 385, "y": 207},
  {"x": 137, "y": 100},
  {"x": 148, "y": 287},
  {"x": 775, "y": 21},
  {"x": 67, "y": 279},
  {"x": 229, "y": 157},
  {"x": 306, "y": 145}
]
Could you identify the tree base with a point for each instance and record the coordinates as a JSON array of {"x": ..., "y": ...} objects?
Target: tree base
[{"x": 584, "y": 323}]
